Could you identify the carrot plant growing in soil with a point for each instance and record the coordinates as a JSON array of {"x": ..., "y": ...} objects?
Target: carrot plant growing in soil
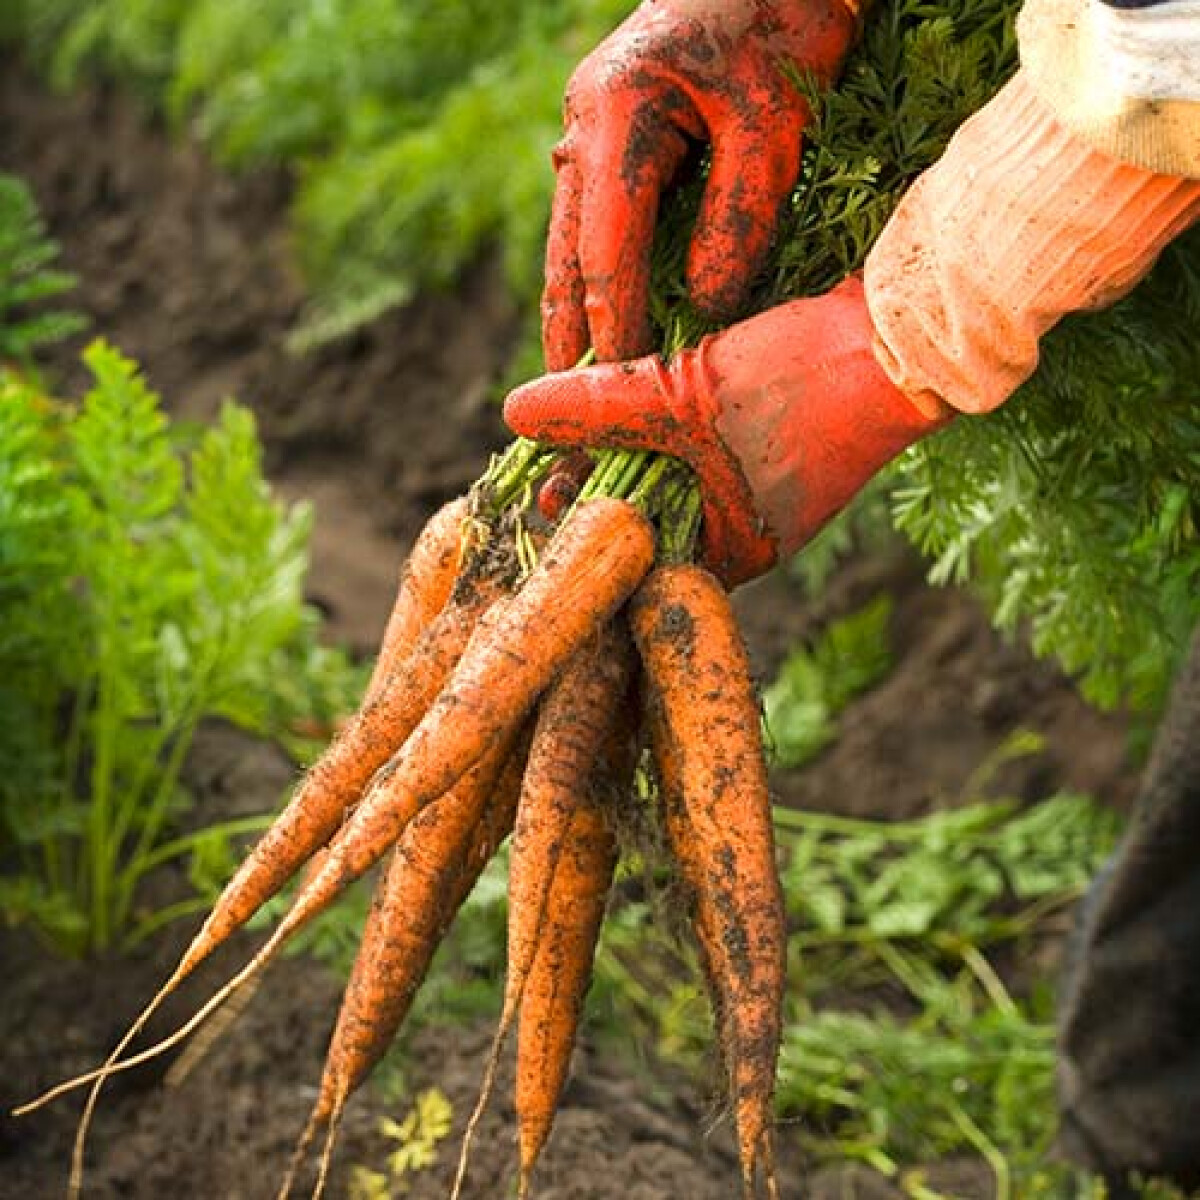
[
  {"x": 150, "y": 582},
  {"x": 147, "y": 581}
]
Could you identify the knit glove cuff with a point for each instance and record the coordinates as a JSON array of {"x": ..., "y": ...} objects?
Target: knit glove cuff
[{"x": 1019, "y": 223}]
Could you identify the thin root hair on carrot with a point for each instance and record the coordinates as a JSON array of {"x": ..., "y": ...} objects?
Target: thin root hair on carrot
[
  {"x": 335, "y": 1123},
  {"x": 297, "y": 1156}
]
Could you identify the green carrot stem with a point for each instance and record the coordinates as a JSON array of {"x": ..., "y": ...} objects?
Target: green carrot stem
[
  {"x": 661, "y": 486},
  {"x": 518, "y": 468},
  {"x": 679, "y": 522},
  {"x": 648, "y": 492}
]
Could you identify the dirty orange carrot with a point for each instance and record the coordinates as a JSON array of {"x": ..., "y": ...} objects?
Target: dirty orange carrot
[
  {"x": 431, "y": 871},
  {"x": 674, "y": 819},
  {"x": 495, "y": 825},
  {"x": 575, "y": 723},
  {"x": 558, "y": 980},
  {"x": 426, "y": 581},
  {"x": 580, "y": 730},
  {"x": 337, "y": 779},
  {"x": 593, "y": 563},
  {"x": 705, "y": 725},
  {"x": 559, "y": 489}
]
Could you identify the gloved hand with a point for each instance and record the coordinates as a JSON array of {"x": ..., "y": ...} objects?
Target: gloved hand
[
  {"x": 783, "y": 417},
  {"x": 678, "y": 70}
]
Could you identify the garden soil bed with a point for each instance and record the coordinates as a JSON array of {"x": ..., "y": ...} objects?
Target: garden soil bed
[{"x": 188, "y": 270}]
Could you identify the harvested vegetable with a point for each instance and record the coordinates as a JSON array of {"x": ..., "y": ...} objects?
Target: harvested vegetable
[
  {"x": 507, "y": 671},
  {"x": 707, "y": 729},
  {"x": 558, "y": 978},
  {"x": 430, "y": 873},
  {"x": 426, "y": 581}
]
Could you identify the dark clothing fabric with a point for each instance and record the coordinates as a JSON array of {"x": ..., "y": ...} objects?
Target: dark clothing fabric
[{"x": 1129, "y": 1018}]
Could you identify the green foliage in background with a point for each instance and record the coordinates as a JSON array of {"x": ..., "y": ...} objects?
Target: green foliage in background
[
  {"x": 148, "y": 580},
  {"x": 419, "y": 134},
  {"x": 28, "y": 279},
  {"x": 816, "y": 683},
  {"x": 916, "y": 911}
]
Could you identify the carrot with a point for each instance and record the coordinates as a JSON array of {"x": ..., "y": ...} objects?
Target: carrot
[
  {"x": 575, "y": 722},
  {"x": 705, "y": 729},
  {"x": 559, "y": 977},
  {"x": 558, "y": 491},
  {"x": 426, "y": 581},
  {"x": 430, "y": 873},
  {"x": 432, "y": 869},
  {"x": 337, "y": 779},
  {"x": 675, "y": 822},
  {"x": 593, "y": 563}
]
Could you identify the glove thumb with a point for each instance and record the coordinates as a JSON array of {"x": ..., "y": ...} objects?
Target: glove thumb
[
  {"x": 620, "y": 406},
  {"x": 647, "y": 405}
]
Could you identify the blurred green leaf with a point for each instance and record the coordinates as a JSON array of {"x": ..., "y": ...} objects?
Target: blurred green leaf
[{"x": 815, "y": 684}]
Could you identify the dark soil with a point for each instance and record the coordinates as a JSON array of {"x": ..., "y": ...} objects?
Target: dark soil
[{"x": 188, "y": 270}]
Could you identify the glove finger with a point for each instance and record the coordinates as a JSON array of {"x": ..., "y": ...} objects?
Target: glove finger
[
  {"x": 564, "y": 321},
  {"x": 644, "y": 405},
  {"x": 623, "y": 406},
  {"x": 755, "y": 163},
  {"x": 628, "y": 162}
]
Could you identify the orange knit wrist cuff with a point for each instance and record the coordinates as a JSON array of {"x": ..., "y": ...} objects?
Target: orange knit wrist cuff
[{"x": 1019, "y": 223}]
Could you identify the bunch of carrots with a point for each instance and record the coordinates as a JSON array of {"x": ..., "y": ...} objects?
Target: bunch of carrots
[{"x": 552, "y": 636}]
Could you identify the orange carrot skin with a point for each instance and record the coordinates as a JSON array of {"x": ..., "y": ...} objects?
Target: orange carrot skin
[
  {"x": 337, "y": 779},
  {"x": 705, "y": 725},
  {"x": 426, "y": 581},
  {"x": 562, "y": 485},
  {"x": 494, "y": 826},
  {"x": 675, "y": 822},
  {"x": 591, "y": 566},
  {"x": 575, "y": 724},
  {"x": 562, "y": 969},
  {"x": 430, "y": 873}
]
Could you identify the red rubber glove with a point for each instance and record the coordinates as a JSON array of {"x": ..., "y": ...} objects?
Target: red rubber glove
[
  {"x": 784, "y": 417},
  {"x": 678, "y": 70}
]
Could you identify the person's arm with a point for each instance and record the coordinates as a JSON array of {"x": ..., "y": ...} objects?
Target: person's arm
[
  {"x": 1122, "y": 74},
  {"x": 786, "y": 416},
  {"x": 1057, "y": 197}
]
